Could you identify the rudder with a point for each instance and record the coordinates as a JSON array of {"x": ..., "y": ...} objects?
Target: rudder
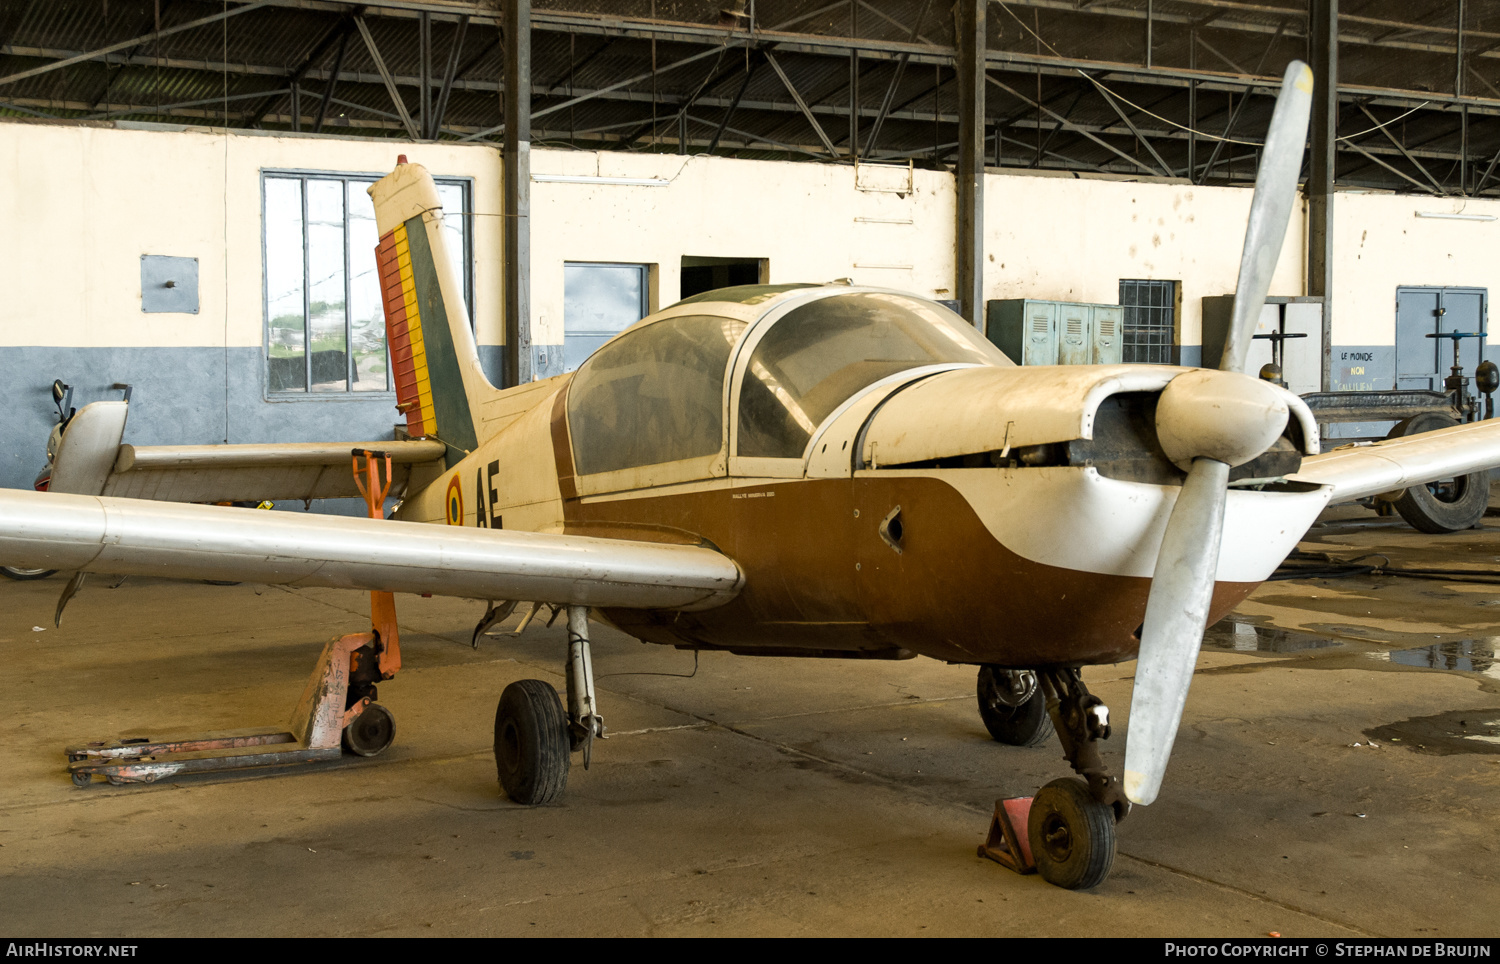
[{"x": 435, "y": 365}]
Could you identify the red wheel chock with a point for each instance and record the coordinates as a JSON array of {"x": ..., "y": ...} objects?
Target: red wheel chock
[{"x": 1007, "y": 843}]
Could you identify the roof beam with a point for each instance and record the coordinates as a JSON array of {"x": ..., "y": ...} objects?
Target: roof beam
[
  {"x": 1069, "y": 124},
  {"x": 802, "y": 105},
  {"x": 385, "y": 75}
]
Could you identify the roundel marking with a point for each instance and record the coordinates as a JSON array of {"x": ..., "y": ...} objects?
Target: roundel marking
[{"x": 455, "y": 502}]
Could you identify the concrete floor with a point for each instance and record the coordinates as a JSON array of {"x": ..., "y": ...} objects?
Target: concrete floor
[{"x": 761, "y": 796}]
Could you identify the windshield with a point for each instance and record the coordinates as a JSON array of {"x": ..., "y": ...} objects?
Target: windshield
[{"x": 824, "y": 352}]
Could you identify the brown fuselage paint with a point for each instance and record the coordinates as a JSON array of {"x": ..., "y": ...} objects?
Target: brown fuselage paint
[{"x": 818, "y": 577}]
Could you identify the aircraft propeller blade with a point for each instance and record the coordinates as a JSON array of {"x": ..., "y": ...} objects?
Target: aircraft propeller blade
[
  {"x": 1270, "y": 210},
  {"x": 1176, "y": 611},
  {"x": 1207, "y": 424}
]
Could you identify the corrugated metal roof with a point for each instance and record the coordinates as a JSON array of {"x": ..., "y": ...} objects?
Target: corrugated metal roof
[{"x": 1048, "y": 113}]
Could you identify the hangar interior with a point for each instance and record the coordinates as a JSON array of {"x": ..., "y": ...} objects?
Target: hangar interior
[{"x": 191, "y": 218}]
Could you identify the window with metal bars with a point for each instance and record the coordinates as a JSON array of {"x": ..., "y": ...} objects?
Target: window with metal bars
[
  {"x": 325, "y": 324},
  {"x": 1150, "y": 320}
]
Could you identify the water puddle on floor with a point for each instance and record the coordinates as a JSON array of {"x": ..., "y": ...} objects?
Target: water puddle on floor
[
  {"x": 1234, "y": 636},
  {"x": 1463, "y": 655},
  {"x": 1457, "y": 731}
]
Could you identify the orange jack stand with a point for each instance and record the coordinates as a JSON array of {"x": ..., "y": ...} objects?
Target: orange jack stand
[
  {"x": 327, "y": 719},
  {"x": 1005, "y": 845},
  {"x": 382, "y": 604}
]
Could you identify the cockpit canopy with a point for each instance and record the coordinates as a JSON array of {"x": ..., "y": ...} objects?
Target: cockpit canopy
[{"x": 656, "y": 394}]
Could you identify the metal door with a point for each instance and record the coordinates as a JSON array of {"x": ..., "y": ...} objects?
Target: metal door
[
  {"x": 599, "y": 301},
  {"x": 1041, "y": 333},
  {"x": 1423, "y": 362},
  {"x": 1075, "y": 341}
]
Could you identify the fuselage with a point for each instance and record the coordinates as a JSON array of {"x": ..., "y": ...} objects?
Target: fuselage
[{"x": 953, "y": 506}]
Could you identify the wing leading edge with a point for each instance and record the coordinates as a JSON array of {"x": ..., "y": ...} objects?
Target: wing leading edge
[
  {"x": 1365, "y": 470},
  {"x": 135, "y": 537}
]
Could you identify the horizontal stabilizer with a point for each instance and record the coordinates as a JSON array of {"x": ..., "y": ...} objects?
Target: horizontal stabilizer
[
  {"x": 1359, "y": 471},
  {"x": 135, "y": 537},
  {"x": 256, "y": 472}
]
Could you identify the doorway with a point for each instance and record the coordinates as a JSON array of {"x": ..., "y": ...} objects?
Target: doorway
[
  {"x": 707, "y": 274},
  {"x": 1423, "y": 362}
]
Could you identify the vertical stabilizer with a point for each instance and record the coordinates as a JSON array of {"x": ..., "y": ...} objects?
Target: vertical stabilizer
[{"x": 439, "y": 383}]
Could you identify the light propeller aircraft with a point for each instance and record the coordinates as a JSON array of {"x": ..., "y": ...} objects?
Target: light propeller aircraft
[{"x": 787, "y": 470}]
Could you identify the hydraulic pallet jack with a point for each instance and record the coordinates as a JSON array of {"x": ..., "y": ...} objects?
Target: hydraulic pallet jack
[{"x": 337, "y": 711}]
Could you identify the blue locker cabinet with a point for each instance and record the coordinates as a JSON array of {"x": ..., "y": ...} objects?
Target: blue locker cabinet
[{"x": 1033, "y": 332}]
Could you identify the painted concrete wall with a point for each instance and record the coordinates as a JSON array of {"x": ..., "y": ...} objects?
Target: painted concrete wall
[
  {"x": 886, "y": 226},
  {"x": 83, "y": 205},
  {"x": 1074, "y": 239},
  {"x": 1383, "y": 245}
]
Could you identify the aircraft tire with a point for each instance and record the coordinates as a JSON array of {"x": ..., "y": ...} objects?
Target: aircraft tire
[
  {"x": 11, "y": 572},
  {"x": 1072, "y": 835},
  {"x": 1456, "y": 505},
  {"x": 1024, "y": 725},
  {"x": 371, "y": 733},
  {"x": 532, "y": 752}
]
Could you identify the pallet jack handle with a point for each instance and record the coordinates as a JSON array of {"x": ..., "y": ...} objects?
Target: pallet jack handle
[{"x": 382, "y": 604}]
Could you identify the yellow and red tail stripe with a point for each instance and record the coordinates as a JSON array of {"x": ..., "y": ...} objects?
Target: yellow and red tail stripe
[{"x": 403, "y": 326}]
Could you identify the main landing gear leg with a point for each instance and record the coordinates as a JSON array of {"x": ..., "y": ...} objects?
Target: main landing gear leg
[
  {"x": 584, "y": 721},
  {"x": 1071, "y": 827}
]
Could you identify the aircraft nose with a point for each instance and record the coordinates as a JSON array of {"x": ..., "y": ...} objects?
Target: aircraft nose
[{"x": 1224, "y": 416}]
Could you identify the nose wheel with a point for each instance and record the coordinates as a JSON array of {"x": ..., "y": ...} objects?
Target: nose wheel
[{"x": 1072, "y": 835}]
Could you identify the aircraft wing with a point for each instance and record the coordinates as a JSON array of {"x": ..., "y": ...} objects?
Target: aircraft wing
[
  {"x": 136, "y": 537},
  {"x": 1358, "y": 471}
]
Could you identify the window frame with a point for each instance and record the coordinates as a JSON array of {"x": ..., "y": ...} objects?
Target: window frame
[
  {"x": 463, "y": 182},
  {"x": 1171, "y": 350},
  {"x": 644, "y": 268}
]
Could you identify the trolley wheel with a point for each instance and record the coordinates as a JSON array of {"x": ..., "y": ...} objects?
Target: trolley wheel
[
  {"x": 1072, "y": 835},
  {"x": 1447, "y": 505},
  {"x": 371, "y": 732},
  {"x": 13, "y": 572},
  {"x": 1012, "y": 706},
  {"x": 82, "y": 778},
  {"x": 531, "y": 742}
]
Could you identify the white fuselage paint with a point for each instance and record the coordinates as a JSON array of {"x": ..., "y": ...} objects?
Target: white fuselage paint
[{"x": 1075, "y": 518}]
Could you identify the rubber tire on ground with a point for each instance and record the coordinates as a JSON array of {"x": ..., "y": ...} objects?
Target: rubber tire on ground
[
  {"x": 1072, "y": 835},
  {"x": 1423, "y": 510},
  {"x": 1024, "y": 725},
  {"x": 371, "y": 732},
  {"x": 23, "y": 574},
  {"x": 531, "y": 743}
]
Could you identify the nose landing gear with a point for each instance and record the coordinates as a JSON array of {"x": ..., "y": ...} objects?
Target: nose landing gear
[{"x": 1070, "y": 826}]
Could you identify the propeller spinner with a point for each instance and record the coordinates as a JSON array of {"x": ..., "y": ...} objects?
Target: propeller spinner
[{"x": 1209, "y": 422}]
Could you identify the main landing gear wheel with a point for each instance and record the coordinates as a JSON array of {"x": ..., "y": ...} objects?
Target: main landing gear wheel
[
  {"x": 1012, "y": 706},
  {"x": 1448, "y": 505},
  {"x": 371, "y": 732},
  {"x": 531, "y": 742},
  {"x": 1072, "y": 835}
]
